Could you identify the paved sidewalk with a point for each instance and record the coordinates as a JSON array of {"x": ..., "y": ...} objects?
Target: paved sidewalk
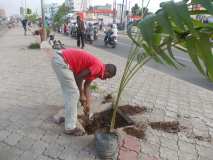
[{"x": 30, "y": 94}]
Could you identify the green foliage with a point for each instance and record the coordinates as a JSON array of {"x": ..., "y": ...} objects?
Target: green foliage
[
  {"x": 29, "y": 11},
  {"x": 137, "y": 11},
  {"x": 155, "y": 35},
  {"x": 173, "y": 26},
  {"x": 32, "y": 17},
  {"x": 34, "y": 46},
  {"x": 94, "y": 87},
  {"x": 59, "y": 16}
]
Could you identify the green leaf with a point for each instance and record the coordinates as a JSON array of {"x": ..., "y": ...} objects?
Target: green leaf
[
  {"x": 203, "y": 46},
  {"x": 146, "y": 27},
  {"x": 169, "y": 49},
  {"x": 190, "y": 44},
  {"x": 150, "y": 52},
  {"x": 184, "y": 14},
  {"x": 166, "y": 59},
  {"x": 171, "y": 10},
  {"x": 162, "y": 19}
]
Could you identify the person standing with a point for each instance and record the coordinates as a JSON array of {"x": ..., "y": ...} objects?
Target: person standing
[
  {"x": 80, "y": 32},
  {"x": 24, "y": 25}
]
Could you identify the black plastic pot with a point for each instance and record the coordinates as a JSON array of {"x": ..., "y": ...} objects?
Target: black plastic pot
[{"x": 106, "y": 144}]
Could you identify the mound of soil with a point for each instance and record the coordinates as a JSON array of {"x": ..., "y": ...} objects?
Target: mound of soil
[
  {"x": 101, "y": 122},
  {"x": 132, "y": 110},
  {"x": 136, "y": 131},
  {"x": 170, "y": 127}
]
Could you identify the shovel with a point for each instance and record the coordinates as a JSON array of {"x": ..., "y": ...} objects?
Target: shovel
[{"x": 88, "y": 115}]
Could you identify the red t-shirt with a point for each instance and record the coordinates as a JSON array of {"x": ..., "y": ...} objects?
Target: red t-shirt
[{"x": 79, "y": 60}]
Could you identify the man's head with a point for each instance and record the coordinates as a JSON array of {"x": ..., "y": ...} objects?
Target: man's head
[{"x": 110, "y": 71}]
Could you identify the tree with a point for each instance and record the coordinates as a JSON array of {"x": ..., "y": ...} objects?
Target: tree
[
  {"x": 29, "y": 11},
  {"x": 136, "y": 10},
  {"x": 58, "y": 19},
  {"x": 33, "y": 17},
  {"x": 171, "y": 26}
]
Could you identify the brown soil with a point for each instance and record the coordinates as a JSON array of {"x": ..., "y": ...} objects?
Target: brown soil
[
  {"x": 170, "y": 127},
  {"x": 205, "y": 139},
  {"x": 107, "y": 98},
  {"x": 132, "y": 110},
  {"x": 136, "y": 131},
  {"x": 101, "y": 122}
]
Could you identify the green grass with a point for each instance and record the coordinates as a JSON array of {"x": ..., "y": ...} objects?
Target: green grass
[{"x": 34, "y": 46}]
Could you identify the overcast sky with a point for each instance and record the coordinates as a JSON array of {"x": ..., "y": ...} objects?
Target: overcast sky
[{"x": 12, "y": 6}]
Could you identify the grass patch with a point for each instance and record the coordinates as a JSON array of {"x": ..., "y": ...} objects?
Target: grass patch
[{"x": 34, "y": 46}]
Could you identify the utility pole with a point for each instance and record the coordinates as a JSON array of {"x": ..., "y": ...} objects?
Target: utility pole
[
  {"x": 142, "y": 9},
  {"x": 122, "y": 11},
  {"x": 114, "y": 11},
  {"x": 125, "y": 16},
  {"x": 25, "y": 7},
  {"x": 43, "y": 36}
]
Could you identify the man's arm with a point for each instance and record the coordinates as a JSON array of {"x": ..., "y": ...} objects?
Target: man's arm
[
  {"x": 87, "y": 94},
  {"x": 79, "y": 80}
]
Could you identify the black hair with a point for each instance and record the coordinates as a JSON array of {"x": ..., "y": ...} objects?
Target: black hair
[{"x": 111, "y": 68}]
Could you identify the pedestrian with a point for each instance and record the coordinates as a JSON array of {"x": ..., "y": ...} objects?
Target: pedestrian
[
  {"x": 75, "y": 70},
  {"x": 24, "y": 25},
  {"x": 65, "y": 28},
  {"x": 80, "y": 32}
]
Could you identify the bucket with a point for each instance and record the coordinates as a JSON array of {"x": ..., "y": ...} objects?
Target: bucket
[{"x": 106, "y": 144}]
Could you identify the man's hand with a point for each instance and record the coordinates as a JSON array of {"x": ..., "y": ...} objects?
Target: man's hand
[{"x": 86, "y": 109}]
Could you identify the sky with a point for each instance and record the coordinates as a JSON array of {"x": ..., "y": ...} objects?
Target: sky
[{"x": 12, "y": 6}]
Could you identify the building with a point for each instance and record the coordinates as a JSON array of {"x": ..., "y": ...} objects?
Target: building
[
  {"x": 205, "y": 18},
  {"x": 2, "y": 13},
  {"x": 105, "y": 7},
  {"x": 102, "y": 13},
  {"x": 77, "y": 5},
  {"x": 51, "y": 9}
]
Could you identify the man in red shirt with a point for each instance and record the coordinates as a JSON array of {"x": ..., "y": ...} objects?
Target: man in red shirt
[{"x": 75, "y": 70}]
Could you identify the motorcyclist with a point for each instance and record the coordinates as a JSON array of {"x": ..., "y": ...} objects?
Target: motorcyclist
[{"x": 112, "y": 32}]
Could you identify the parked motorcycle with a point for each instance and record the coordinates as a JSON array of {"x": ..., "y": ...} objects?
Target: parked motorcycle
[
  {"x": 89, "y": 34},
  {"x": 95, "y": 33}
]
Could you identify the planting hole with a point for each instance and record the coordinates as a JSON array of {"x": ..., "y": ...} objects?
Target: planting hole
[{"x": 101, "y": 121}]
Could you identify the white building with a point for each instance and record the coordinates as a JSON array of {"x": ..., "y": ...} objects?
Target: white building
[{"x": 78, "y": 5}]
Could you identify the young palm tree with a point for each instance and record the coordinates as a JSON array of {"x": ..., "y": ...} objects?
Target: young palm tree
[{"x": 172, "y": 26}]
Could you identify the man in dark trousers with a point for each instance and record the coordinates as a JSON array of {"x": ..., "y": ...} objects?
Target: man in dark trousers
[
  {"x": 24, "y": 25},
  {"x": 80, "y": 32}
]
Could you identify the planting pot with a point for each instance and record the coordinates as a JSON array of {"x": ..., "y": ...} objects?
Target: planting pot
[{"x": 106, "y": 144}]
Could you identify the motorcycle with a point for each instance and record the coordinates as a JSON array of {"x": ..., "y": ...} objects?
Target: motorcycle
[
  {"x": 110, "y": 39},
  {"x": 89, "y": 34},
  {"x": 95, "y": 33},
  {"x": 56, "y": 44}
]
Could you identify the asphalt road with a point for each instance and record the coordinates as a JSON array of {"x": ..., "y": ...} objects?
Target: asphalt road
[{"x": 188, "y": 73}]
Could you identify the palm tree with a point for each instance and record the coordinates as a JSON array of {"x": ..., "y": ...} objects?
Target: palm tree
[{"x": 172, "y": 26}]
